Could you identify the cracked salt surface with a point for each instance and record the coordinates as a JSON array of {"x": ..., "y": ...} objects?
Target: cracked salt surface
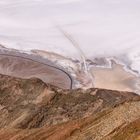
[{"x": 101, "y": 28}]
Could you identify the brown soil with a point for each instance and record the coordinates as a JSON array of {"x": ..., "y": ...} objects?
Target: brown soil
[{"x": 33, "y": 110}]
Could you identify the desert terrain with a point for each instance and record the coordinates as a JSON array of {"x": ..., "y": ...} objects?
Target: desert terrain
[
  {"x": 33, "y": 110},
  {"x": 26, "y": 66},
  {"x": 116, "y": 78},
  {"x": 69, "y": 70}
]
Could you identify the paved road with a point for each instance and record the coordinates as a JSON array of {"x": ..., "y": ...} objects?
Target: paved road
[{"x": 42, "y": 63}]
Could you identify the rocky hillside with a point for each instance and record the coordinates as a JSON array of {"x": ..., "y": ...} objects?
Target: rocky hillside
[{"x": 32, "y": 110}]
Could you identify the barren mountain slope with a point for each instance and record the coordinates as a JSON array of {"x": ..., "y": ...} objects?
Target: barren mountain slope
[{"x": 32, "y": 110}]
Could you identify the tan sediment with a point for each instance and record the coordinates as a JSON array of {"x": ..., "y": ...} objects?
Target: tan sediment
[
  {"x": 115, "y": 78},
  {"x": 46, "y": 93},
  {"x": 21, "y": 118},
  {"x": 26, "y": 68}
]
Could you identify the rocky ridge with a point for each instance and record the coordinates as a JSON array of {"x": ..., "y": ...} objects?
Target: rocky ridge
[{"x": 33, "y": 110}]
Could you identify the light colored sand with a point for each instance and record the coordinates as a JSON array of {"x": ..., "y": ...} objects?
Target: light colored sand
[
  {"x": 115, "y": 78},
  {"x": 25, "y": 68}
]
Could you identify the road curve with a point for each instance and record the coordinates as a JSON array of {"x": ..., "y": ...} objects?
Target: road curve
[{"x": 42, "y": 63}]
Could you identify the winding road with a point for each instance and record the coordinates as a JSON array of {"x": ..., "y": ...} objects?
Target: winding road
[{"x": 44, "y": 63}]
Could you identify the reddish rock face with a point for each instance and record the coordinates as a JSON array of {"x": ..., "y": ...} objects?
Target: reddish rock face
[{"x": 33, "y": 110}]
